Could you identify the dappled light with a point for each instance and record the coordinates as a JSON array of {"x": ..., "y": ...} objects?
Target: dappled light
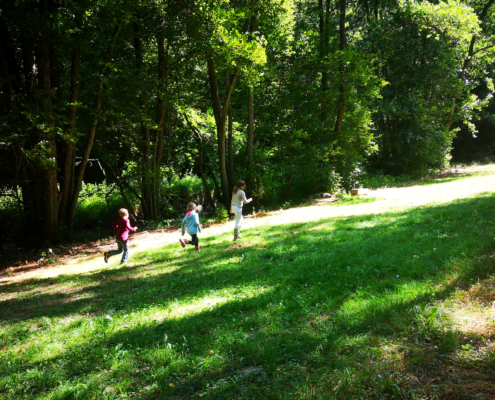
[{"x": 345, "y": 303}]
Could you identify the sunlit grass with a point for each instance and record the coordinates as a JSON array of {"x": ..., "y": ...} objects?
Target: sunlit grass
[{"x": 333, "y": 301}]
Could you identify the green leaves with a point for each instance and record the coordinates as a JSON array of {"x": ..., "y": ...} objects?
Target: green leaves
[{"x": 450, "y": 19}]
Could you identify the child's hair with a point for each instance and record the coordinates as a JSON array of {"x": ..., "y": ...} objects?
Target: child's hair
[
  {"x": 123, "y": 212},
  {"x": 239, "y": 185},
  {"x": 192, "y": 206}
]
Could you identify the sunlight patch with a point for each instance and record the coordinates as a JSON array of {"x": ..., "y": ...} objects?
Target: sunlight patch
[
  {"x": 365, "y": 224},
  {"x": 215, "y": 299}
]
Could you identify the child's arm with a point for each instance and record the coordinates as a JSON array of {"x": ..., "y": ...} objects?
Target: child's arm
[
  {"x": 183, "y": 226},
  {"x": 245, "y": 199},
  {"x": 196, "y": 222},
  {"x": 115, "y": 225},
  {"x": 132, "y": 229}
]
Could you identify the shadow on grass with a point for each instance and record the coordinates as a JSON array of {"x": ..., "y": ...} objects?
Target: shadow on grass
[{"x": 317, "y": 288}]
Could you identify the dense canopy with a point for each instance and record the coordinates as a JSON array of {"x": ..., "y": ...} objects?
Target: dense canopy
[{"x": 294, "y": 96}]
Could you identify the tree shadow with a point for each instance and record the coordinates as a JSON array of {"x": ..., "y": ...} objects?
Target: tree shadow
[{"x": 314, "y": 285}]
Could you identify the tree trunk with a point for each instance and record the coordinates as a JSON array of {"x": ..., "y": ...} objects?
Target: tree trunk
[
  {"x": 201, "y": 170},
  {"x": 230, "y": 143},
  {"x": 250, "y": 137},
  {"x": 146, "y": 167},
  {"x": 220, "y": 113},
  {"x": 215, "y": 183},
  {"x": 92, "y": 132},
  {"x": 160, "y": 114},
  {"x": 47, "y": 170},
  {"x": 341, "y": 105},
  {"x": 69, "y": 156},
  {"x": 324, "y": 31},
  {"x": 118, "y": 179}
]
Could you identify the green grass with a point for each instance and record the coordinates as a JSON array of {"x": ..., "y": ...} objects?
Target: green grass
[{"x": 339, "y": 307}]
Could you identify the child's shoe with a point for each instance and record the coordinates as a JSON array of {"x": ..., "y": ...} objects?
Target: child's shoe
[
  {"x": 182, "y": 243},
  {"x": 105, "y": 257},
  {"x": 197, "y": 247}
]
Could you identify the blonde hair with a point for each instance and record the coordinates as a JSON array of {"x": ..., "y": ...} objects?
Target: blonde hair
[
  {"x": 192, "y": 206},
  {"x": 123, "y": 212},
  {"x": 240, "y": 185}
]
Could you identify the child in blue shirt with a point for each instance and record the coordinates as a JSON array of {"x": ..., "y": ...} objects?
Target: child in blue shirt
[{"x": 191, "y": 220}]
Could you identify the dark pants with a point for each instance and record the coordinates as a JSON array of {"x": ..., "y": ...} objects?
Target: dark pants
[
  {"x": 122, "y": 248},
  {"x": 194, "y": 240}
]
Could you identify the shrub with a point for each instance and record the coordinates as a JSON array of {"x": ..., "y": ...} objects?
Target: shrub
[
  {"x": 98, "y": 204},
  {"x": 222, "y": 214},
  {"x": 11, "y": 215},
  {"x": 181, "y": 192}
]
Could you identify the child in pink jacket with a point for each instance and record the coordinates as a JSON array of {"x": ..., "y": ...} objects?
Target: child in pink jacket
[{"x": 123, "y": 226}]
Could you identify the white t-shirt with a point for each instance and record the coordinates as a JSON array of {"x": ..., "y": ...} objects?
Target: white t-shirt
[{"x": 239, "y": 198}]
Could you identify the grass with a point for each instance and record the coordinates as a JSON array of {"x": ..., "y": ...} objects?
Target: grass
[{"x": 353, "y": 300}]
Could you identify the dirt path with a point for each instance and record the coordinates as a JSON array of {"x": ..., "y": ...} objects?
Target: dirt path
[{"x": 89, "y": 257}]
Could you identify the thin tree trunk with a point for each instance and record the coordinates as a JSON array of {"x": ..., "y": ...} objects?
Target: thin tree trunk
[
  {"x": 5, "y": 72},
  {"x": 119, "y": 181},
  {"x": 220, "y": 113},
  {"x": 341, "y": 105},
  {"x": 161, "y": 109},
  {"x": 230, "y": 145},
  {"x": 324, "y": 31},
  {"x": 250, "y": 137},
  {"x": 230, "y": 139},
  {"x": 92, "y": 132},
  {"x": 47, "y": 184},
  {"x": 28, "y": 69},
  {"x": 28, "y": 190},
  {"x": 68, "y": 166},
  {"x": 215, "y": 183},
  {"x": 146, "y": 167},
  {"x": 199, "y": 138}
]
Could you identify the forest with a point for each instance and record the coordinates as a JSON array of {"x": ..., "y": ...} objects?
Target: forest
[{"x": 151, "y": 104}]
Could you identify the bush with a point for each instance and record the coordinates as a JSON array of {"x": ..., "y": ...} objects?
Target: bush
[
  {"x": 11, "y": 215},
  {"x": 378, "y": 180},
  {"x": 182, "y": 191},
  {"x": 222, "y": 214},
  {"x": 98, "y": 204},
  {"x": 334, "y": 182}
]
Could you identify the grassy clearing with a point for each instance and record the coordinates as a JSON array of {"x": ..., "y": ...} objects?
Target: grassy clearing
[{"x": 362, "y": 299}]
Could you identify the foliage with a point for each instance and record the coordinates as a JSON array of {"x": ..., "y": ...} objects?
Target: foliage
[
  {"x": 417, "y": 110},
  {"x": 10, "y": 214},
  {"x": 222, "y": 213},
  {"x": 47, "y": 257},
  {"x": 267, "y": 91},
  {"x": 182, "y": 191},
  {"x": 98, "y": 206}
]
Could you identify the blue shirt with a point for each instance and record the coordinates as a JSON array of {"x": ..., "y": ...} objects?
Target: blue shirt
[{"x": 191, "y": 220}]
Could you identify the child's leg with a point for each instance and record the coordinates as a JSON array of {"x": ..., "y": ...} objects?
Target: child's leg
[
  {"x": 125, "y": 256},
  {"x": 115, "y": 252},
  {"x": 194, "y": 239},
  {"x": 238, "y": 216}
]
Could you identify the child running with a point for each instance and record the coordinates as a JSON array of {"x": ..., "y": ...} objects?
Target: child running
[
  {"x": 238, "y": 199},
  {"x": 123, "y": 227},
  {"x": 191, "y": 220}
]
